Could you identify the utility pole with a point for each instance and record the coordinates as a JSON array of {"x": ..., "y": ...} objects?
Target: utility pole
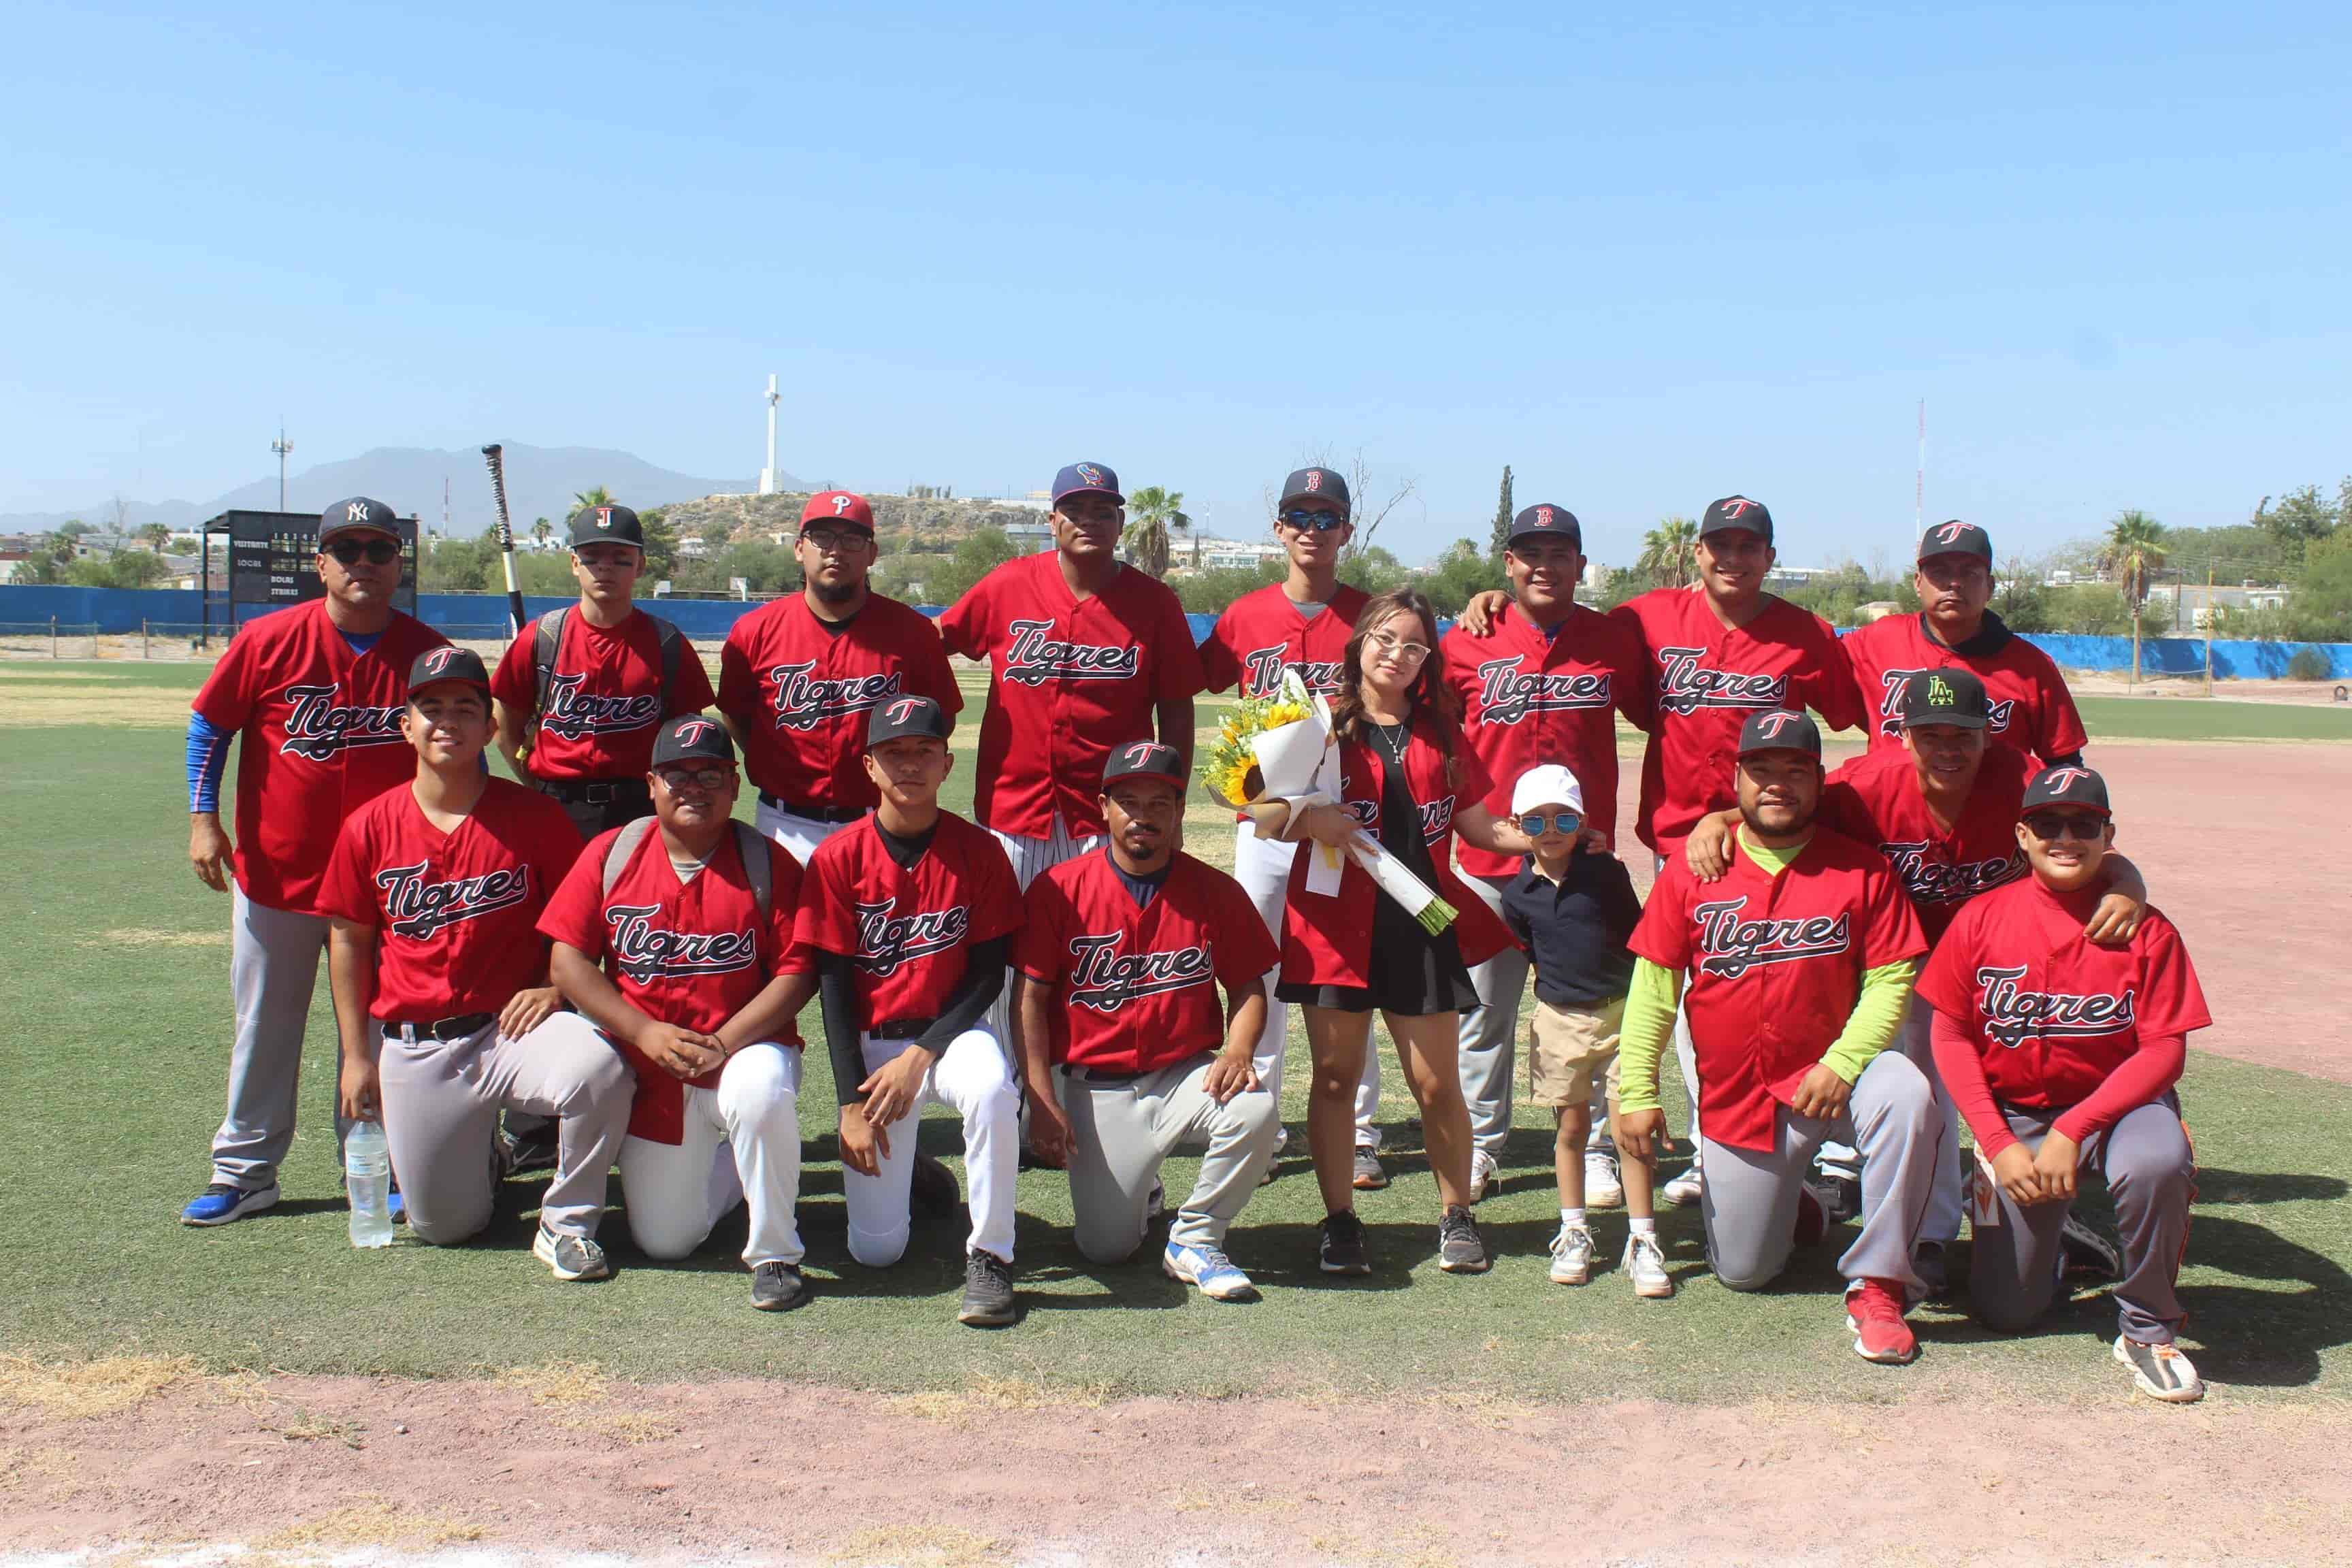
[
  {"x": 1919, "y": 486},
  {"x": 768, "y": 473},
  {"x": 281, "y": 446}
]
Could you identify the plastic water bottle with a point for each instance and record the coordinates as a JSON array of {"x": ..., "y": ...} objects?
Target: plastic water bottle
[{"x": 367, "y": 1178}]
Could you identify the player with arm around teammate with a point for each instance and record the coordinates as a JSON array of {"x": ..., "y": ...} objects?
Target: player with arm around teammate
[
  {"x": 674, "y": 939},
  {"x": 2065, "y": 1054},
  {"x": 440, "y": 981},
  {"x": 910, "y": 914},
  {"x": 1127, "y": 1054}
]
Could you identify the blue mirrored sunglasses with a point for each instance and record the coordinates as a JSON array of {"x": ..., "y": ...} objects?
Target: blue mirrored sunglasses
[
  {"x": 1314, "y": 521},
  {"x": 1533, "y": 822}
]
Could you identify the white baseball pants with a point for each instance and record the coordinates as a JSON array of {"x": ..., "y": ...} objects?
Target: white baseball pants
[
  {"x": 798, "y": 834},
  {"x": 742, "y": 1145},
  {"x": 970, "y": 1077},
  {"x": 1031, "y": 857}
]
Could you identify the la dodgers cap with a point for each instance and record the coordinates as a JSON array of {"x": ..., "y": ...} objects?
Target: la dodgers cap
[
  {"x": 617, "y": 523},
  {"x": 356, "y": 514},
  {"x": 2067, "y": 784},
  {"x": 1951, "y": 697},
  {"x": 448, "y": 662},
  {"x": 905, "y": 717},
  {"x": 1957, "y": 538},
  {"x": 1544, "y": 521},
  {"x": 837, "y": 506},
  {"x": 1737, "y": 512},
  {"x": 1086, "y": 480},
  {"x": 1144, "y": 759},
  {"x": 1779, "y": 729},
  {"x": 692, "y": 735},
  {"x": 1315, "y": 484},
  {"x": 1547, "y": 784}
]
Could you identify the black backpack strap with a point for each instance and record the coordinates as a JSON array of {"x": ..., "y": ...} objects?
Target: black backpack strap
[
  {"x": 547, "y": 637},
  {"x": 673, "y": 654}
]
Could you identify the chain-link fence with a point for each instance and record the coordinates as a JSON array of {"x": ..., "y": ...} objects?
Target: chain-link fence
[{"x": 48, "y": 639}]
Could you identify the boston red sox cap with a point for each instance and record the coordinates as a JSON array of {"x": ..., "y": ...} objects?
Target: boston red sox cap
[
  {"x": 1957, "y": 538},
  {"x": 616, "y": 523},
  {"x": 1952, "y": 697},
  {"x": 905, "y": 717},
  {"x": 837, "y": 506},
  {"x": 692, "y": 735},
  {"x": 2066, "y": 785},
  {"x": 448, "y": 662},
  {"x": 353, "y": 516},
  {"x": 1144, "y": 759},
  {"x": 1737, "y": 512},
  {"x": 1779, "y": 729},
  {"x": 1086, "y": 480},
  {"x": 1544, "y": 521},
  {"x": 1315, "y": 484}
]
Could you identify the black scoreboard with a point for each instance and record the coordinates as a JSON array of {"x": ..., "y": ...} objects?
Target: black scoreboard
[{"x": 273, "y": 559}]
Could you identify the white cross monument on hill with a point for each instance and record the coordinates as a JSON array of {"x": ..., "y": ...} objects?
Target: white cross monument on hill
[{"x": 768, "y": 473}]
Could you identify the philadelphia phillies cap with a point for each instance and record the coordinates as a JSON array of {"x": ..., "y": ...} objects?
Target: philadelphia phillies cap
[
  {"x": 1544, "y": 521},
  {"x": 1086, "y": 480},
  {"x": 357, "y": 513},
  {"x": 2067, "y": 786},
  {"x": 448, "y": 662},
  {"x": 1951, "y": 697},
  {"x": 1779, "y": 729},
  {"x": 1957, "y": 538},
  {"x": 1737, "y": 512},
  {"x": 837, "y": 506},
  {"x": 616, "y": 523},
  {"x": 1547, "y": 784},
  {"x": 693, "y": 736},
  {"x": 1315, "y": 484},
  {"x": 1144, "y": 759},
  {"x": 903, "y": 716}
]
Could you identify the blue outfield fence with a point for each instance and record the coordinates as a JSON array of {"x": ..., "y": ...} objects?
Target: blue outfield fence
[{"x": 115, "y": 611}]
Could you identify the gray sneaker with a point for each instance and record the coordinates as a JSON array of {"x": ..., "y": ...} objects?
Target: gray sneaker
[
  {"x": 1369, "y": 1177},
  {"x": 1460, "y": 1248},
  {"x": 1644, "y": 1264},
  {"x": 2086, "y": 1252},
  {"x": 988, "y": 1300},
  {"x": 2160, "y": 1371},
  {"x": 778, "y": 1287},
  {"x": 570, "y": 1256}
]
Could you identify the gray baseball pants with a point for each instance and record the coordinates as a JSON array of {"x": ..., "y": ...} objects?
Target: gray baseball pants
[
  {"x": 1121, "y": 1130},
  {"x": 1750, "y": 1199},
  {"x": 2151, "y": 1173},
  {"x": 441, "y": 1103},
  {"x": 1945, "y": 1200},
  {"x": 273, "y": 970},
  {"x": 1490, "y": 1032}
]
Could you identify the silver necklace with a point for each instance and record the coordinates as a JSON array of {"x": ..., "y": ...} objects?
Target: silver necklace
[{"x": 1395, "y": 748}]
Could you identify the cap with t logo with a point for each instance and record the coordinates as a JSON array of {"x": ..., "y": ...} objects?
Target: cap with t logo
[
  {"x": 2066, "y": 784},
  {"x": 1737, "y": 512},
  {"x": 692, "y": 735},
  {"x": 1779, "y": 729},
  {"x": 448, "y": 662},
  {"x": 904, "y": 718},
  {"x": 1144, "y": 759},
  {"x": 1957, "y": 538}
]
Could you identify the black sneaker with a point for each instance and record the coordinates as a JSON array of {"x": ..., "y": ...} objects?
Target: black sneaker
[
  {"x": 778, "y": 1287},
  {"x": 535, "y": 1150},
  {"x": 1342, "y": 1249},
  {"x": 2087, "y": 1254},
  {"x": 987, "y": 1290},
  {"x": 1927, "y": 1261},
  {"x": 932, "y": 1186},
  {"x": 1841, "y": 1195},
  {"x": 1460, "y": 1248}
]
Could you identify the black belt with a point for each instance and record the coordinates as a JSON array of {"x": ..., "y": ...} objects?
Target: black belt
[
  {"x": 596, "y": 792},
  {"x": 811, "y": 813},
  {"x": 451, "y": 1028},
  {"x": 1100, "y": 1074},
  {"x": 902, "y": 1029}
]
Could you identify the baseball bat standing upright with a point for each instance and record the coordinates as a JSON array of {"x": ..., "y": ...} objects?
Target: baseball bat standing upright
[{"x": 495, "y": 454}]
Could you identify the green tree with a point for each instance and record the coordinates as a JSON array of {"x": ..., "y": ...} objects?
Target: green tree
[
  {"x": 976, "y": 555},
  {"x": 1375, "y": 570},
  {"x": 542, "y": 530},
  {"x": 583, "y": 499},
  {"x": 1462, "y": 571},
  {"x": 74, "y": 528},
  {"x": 1152, "y": 514},
  {"x": 2134, "y": 554},
  {"x": 2300, "y": 516},
  {"x": 661, "y": 545},
  {"x": 156, "y": 535},
  {"x": 1504, "y": 511},
  {"x": 2019, "y": 599},
  {"x": 1209, "y": 591},
  {"x": 1669, "y": 555}
]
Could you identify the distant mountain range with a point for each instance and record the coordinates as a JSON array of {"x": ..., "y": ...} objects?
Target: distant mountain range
[{"x": 541, "y": 483}]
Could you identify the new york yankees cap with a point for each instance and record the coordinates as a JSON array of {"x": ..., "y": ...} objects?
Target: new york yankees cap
[
  {"x": 448, "y": 662},
  {"x": 1779, "y": 729},
  {"x": 1315, "y": 484},
  {"x": 356, "y": 514},
  {"x": 2066, "y": 785},
  {"x": 837, "y": 506},
  {"x": 1737, "y": 512},
  {"x": 692, "y": 735},
  {"x": 1544, "y": 521},
  {"x": 1144, "y": 759},
  {"x": 1957, "y": 538},
  {"x": 1951, "y": 697},
  {"x": 1086, "y": 480},
  {"x": 903, "y": 716},
  {"x": 616, "y": 523}
]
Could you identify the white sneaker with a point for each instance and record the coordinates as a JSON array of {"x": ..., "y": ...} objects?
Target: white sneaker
[
  {"x": 1604, "y": 1188},
  {"x": 1683, "y": 1190},
  {"x": 1644, "y": 1264},
  {"x": 2161, "y": 1371},
  {"x": 1483, "y": 1169},
  {"x": 1571, "y": 1256}
]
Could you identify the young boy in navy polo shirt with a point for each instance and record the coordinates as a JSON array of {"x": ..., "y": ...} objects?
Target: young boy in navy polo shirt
[{"x": 1574, "y": 912}]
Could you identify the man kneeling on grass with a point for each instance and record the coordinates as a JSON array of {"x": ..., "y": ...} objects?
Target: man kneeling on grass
[{"x": 1125, "y": 1052}]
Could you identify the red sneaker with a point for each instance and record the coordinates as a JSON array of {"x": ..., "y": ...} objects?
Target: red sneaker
[{"x": 1874, "y": 1311}]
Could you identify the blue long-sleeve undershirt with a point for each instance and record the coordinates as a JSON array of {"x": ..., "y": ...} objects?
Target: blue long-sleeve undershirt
[{"x": 207, "y": 758}]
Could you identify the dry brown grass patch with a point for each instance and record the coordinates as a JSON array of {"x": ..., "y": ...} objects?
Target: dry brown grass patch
[
  {"x": 635, "y": 1427},
  {"x": 45, "y": 1465},
  {"x": 373, "y": 1522},
  {"x": 24, "y": 705},
  {"x": 557, "y": 1382},
  {"x": 931, "y": 1545},
  {"x": 985, "y": 1395},
  {"x": 80, "y": 1387},
  {"x": 149, "y": 936}
]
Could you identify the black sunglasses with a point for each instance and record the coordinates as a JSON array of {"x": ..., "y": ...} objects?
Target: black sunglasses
[
  {"x": 377, "y": 551},
  {"x": 2050, "y": 826},
  {"x": 1532, "y": 823},
  {"x": 1313, "y": 521},
  {"x": 713, "y": 778}
]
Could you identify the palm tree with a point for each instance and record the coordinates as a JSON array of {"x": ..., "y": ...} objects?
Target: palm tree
[
  {"x": 1669, "y": 553},
  {"x": 156, "y": 535},
  {"x": 542, "y": 530},
  {"x": 583, "y": 500},
  {"x": 2134, "y": 552},
  {"x": 1153, "y": 514}
]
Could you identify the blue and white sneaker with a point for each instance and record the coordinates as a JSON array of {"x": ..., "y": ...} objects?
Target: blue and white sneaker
[
  {"x": 222, "y": 1202},
  {"x": 1209, "y": 1270}
]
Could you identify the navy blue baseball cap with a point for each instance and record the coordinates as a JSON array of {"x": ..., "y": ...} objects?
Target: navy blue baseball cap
[
  {"x": 1315, "y": 484},
  {"x": 2066, "y": 784},
  {"x": 1779, "y": 729},
  {"x": 356, "y": 515},
  {"x": 1144, "y": 759},
  {"x": 618, "y": 524},
  {"x": 1086, "y": 480},
  {"x": 1544, "y": 521},
  {"x": 902, "y": 717},
  {"x": 692, "y": 735},
  {"x": 448, "y": 662},
  {"x": 1737, "y": 512},
  {"x": 1957, "y": 538}
]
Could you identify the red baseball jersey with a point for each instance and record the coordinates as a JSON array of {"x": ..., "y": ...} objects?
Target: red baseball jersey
[
  {"x": 1135, "y": 985},
  {"x": 2032, "y": 711},
  {"x": 1262, "y": 634},
  {"x": 456, "y": 914},
  {"x": 1775, "y": 965},
  {"x": 1328, "y": 940},
  {"x": 1875, "y": 799},
  {"x": 320, "y": 739},
  {"x": 905, "y": 928},
  {"x": 800, "y": 693},
  {"x": 689, "y": 953},
  {"x": 2053, "y": 1013},
  {"x": 1706, "y": 679},
  {"x": 1069, "y": 681},
  {"x": 1528, "y": 699},
  {"x": 604, "y": 696}
]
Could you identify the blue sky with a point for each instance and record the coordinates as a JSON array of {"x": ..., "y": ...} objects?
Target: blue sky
[{"x": 1646, "y": 259}]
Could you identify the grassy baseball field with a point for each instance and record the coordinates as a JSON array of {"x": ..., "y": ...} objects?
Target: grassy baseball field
[{"x": 116, "y": 1022}]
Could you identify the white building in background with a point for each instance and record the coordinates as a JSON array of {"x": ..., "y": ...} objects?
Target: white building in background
[{"x": 1210, "y": 554}]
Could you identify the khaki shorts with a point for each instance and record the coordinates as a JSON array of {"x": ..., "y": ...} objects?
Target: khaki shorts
[{"x": 1569, "y": 1047}]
